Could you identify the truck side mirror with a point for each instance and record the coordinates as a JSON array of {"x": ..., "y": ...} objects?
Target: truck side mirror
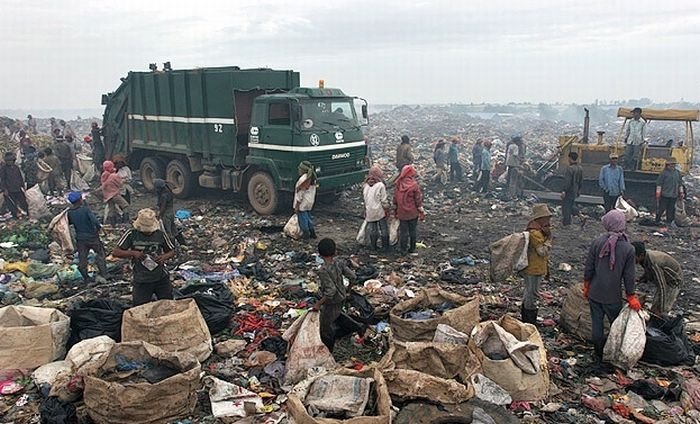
[
  {"x": 364, "y": 111},
  {"x": 104, "y": 99}
]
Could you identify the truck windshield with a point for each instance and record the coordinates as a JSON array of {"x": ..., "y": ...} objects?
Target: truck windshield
[{"x": 325, "y": 112}]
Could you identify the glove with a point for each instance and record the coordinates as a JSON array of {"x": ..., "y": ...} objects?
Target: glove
[
  {"x": 634, "y": 302},
  {"x": 586, "y": 287}
]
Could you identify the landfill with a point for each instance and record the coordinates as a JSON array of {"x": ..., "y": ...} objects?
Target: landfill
[{"x": 444, "y": 340}]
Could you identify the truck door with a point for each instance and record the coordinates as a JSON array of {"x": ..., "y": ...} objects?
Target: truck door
[{"x": 278, "y": 128}]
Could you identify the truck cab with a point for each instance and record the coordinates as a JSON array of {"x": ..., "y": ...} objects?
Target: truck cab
[{"x": 319, "y": 125}]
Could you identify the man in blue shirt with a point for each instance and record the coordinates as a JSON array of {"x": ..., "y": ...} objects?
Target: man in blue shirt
[
  {"x": 87, "y": 235},
  {"x": 612, "y": 182}
]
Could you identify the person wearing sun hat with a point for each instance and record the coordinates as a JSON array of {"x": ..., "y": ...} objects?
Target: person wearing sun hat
[
  {"x": 149, "y": 249},
  {"x": 538, "y": 250},
  {"x": 87, "y": 235}
]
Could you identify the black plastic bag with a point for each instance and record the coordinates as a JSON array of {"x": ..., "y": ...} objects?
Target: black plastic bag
[
  {"x": 276, "y": 345},
  {"x": 366, "y": 272},
  {"x": 55, "y": 411},
  {"x": 363, "y": 311},
  {"x": 648, "y": 389},
  {"x": 667, "y": 343},
  {"x": 98, "y": 317},
  {"x": 215, "y": 302}
]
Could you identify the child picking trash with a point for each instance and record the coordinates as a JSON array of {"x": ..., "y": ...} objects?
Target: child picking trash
[{"x": 333, "y": 293}]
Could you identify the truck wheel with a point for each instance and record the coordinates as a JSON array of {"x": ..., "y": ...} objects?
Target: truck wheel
[
  {"x": 151, "y": 168},
  {"x": 262, "y": 193},
  {"x": 180, "y": 178}
]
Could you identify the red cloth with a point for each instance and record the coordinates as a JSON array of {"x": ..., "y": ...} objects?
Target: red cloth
[{"x": 407, "y": 196}]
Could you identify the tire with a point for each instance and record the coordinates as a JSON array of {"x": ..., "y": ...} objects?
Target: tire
[
  {"x": 150, "y": 169},
  {"x": 262, "y": 193},
  {"x": 180, "y": 178}
]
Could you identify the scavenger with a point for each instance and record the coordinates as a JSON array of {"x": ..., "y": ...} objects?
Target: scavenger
[
  {"x": 165, "y": 208},
  {"x": 332, "y": 290},
  {"x": 304, "y": 198},
  {"x": 538, "y": 250},
  {"x": 149, "y": 249},
  {"x": 87, "y": 235},
  {"x": 404, "y": 155},
  {"x": 664, "y": 272},
  {"x": 612, "y": 181},
  {"x": 408, "y": 203},
  {"x": 573, "y": 180},
  {"x": 12, "y": 186},
  {"x": 669, "y": 187},
  {"x": 376, "y": 208},
  {"x": 609, "y": 264}
]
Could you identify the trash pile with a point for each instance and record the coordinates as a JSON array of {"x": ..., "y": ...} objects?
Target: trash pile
[{"x": 430, "y": 336}]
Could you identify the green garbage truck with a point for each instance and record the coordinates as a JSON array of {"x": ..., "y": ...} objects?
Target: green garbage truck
[{"x": 242, "y": 130}]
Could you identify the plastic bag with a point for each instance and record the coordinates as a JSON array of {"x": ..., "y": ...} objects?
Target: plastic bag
[
  {"x": 36, "y": 202},
  {"x": 629, "y": 211},
  {"x": 667, "y": 344},
  {"x": 393, "y": 231},
  {"x": 362, "y": 310},
  {"x": 626, "y": 341},
  {"x": 362, "y": 234},
  {"x": 98, "y": 317},
  {"x": 292, "y": 229},
  {"x": 214, "y": 301},
  {"x": 55, "y": 411},
  {"x": 306, "y": 350}
]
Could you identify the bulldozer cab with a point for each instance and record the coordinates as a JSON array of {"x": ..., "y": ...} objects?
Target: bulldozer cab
[
  {"x": 592, "y": 156},
  {"x": 655, "y": 154}
]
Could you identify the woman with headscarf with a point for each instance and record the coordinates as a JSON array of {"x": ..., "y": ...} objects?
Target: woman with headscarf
[
  {"x": 376, "y": 208},
  {"x": 126, "y": 175},
  {"x": 610, "y": 262},
  {"x": 111, "y": 185},
  {"x": 304, "y": 198},
  {"x": 408, "y": 203}
]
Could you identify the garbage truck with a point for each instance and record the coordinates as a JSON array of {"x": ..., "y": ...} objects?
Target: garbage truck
[{"x": 242, "y": 130}]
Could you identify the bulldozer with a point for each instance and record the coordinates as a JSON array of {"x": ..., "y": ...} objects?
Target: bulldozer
[{"x": 641, "y": 180}]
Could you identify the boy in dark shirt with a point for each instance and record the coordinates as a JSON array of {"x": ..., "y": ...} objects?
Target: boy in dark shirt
[
  {"x": 332, "y": 290},
  {"x": 148, "y": 248},
  {"x": 87, "y": 235}
]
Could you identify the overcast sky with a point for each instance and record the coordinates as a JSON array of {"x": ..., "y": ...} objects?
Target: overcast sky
[{"x": 64, "y": 54}]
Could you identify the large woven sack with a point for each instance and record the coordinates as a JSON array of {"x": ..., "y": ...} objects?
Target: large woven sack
[
  {"x": 428, "y": 370},
  {"x": 112, "y": 400},
  {"x": 305, "y": 349},
  {"x": 444, "y": 360},
  {"x": 31, "y": 336},
  {"x": 462, "y": 318},
  {"x": 173, "y": 325},
  {"x": 575, "y": 316},
  {"x": 297, "y": 410},
  {"x": 504, "y": 372},
  {"x": 508, "y": 256},
  {"x": 625, "y": 343}
]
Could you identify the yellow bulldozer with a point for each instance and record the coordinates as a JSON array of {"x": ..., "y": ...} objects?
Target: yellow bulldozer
[{"x": 640, "y": 181}]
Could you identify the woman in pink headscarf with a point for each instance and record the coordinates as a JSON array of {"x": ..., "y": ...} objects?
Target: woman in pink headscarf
[
  {"x": 609, "y": 263},
  {"x": 408, "y": 202},
  {"x": 376, "y": 208},
  {"x": 111, "y": 186}
]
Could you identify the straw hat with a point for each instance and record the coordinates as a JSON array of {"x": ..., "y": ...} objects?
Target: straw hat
[
  {"x": 146, "y": 221},
  {"x": 540, "y": 210}
]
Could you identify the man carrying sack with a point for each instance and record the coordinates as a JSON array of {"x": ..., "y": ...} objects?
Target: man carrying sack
[{"x": 538, "y": 251}]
